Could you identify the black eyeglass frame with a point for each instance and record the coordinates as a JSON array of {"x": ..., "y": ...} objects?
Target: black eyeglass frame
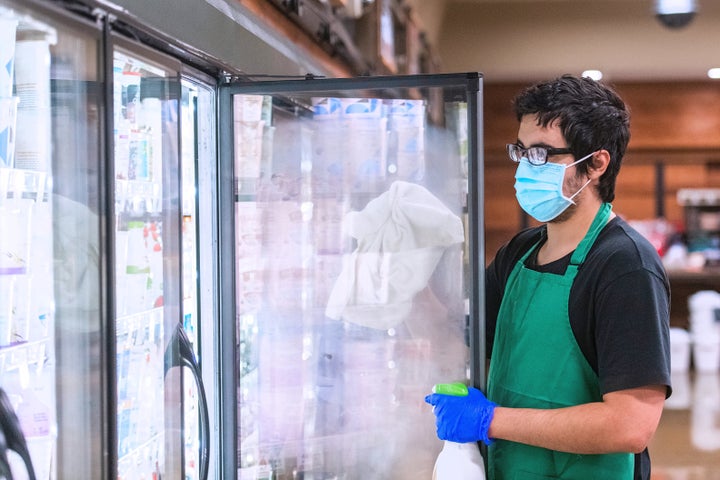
[{"x": 535, "y": 155}]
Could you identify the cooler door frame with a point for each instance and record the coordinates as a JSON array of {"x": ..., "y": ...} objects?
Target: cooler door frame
[{"x": 227, "y": 340}]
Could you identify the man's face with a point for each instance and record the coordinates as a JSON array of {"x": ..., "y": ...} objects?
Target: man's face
[{"x": 531, "y": 134}]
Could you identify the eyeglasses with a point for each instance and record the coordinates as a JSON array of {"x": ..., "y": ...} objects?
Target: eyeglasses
[{"x": 534, "y": 155}]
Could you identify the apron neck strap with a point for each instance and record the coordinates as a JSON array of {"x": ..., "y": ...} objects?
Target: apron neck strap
[{"x": 601, "y": 218}]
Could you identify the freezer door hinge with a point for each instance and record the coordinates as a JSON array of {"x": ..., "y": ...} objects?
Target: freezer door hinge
[
  {"x": 101, "y": 16},
  {"x": 228, "y": 77}
]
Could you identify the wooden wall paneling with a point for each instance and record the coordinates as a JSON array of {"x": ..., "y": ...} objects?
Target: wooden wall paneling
[
  {"x": 502, "y": 213},
  {"x": 673, "y": 115},
  {"x": 713, "y": 174},
  {"x": 499, "y": 121},
  {"x": 500, "y": 200},
  {"x": 635, "y": 192},
  {"x": 673, "y": 211},
  {"x": 634, "y": 207},
  {"x": 679, "y": 176}
]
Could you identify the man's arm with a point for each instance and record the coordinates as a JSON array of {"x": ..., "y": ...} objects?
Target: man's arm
[{"x": 625, "y": 421}]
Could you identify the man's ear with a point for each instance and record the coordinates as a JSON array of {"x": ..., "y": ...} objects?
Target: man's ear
[{"x": 599, "y": 163}]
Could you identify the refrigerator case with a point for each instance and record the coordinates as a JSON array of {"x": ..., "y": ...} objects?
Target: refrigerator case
[
  {"x": 356, "y": 270},
  {"x": 49, "y": 236},
  {"x": 57, "y": 341}
]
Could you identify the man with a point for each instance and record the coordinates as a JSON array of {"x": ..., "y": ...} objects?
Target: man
[{"x": 577, "y": 309}]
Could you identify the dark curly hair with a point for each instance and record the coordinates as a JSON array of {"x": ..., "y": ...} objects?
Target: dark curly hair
[{"x": 591, "y": 117}]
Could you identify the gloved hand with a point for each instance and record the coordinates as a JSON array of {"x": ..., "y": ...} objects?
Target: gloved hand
[{"x": 462, "y": 419}]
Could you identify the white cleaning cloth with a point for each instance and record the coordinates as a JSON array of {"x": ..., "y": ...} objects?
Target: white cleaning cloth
[{"x": 401, "y": 236}]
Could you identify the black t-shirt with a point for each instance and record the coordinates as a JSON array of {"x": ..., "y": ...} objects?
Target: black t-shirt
[{"x": 618, "y": 308}]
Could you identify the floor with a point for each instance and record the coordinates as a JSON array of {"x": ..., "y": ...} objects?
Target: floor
[{"x": 686, "y": 445}]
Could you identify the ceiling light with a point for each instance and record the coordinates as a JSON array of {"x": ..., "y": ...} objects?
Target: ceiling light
[
  {"x": 714, "y": 73},
  {"x": 593, "y": 74}
]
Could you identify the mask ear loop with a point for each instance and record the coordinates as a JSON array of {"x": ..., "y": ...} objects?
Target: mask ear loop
[
  {"x": 581, "y": 160},
  {"x": 586, "y": 183},
  {"x": 580, "y": 190}
]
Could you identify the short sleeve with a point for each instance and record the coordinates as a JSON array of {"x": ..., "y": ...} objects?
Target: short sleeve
[{"x": 632, "y": 332}]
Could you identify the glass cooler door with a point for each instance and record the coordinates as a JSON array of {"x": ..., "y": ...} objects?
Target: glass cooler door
[
  {"x": 51, "y": 310},
  {"x": 148, "y": 295},
  {"x": 349, "y": 271}
]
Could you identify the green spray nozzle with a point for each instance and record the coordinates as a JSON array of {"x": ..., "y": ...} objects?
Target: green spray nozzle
[{"x": 456, "y": 389}]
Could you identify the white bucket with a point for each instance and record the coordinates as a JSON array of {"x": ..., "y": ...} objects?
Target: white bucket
[
  {"x": 704, "y": 426},
  {"x": 679, "y": 350},
  {"x": 706, "y": 351},
  {"x": 704, "y": 307},
  {"x": 8, "y": 26}
]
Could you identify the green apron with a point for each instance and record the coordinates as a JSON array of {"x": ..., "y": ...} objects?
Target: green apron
[{"x": 537, "y": 363}]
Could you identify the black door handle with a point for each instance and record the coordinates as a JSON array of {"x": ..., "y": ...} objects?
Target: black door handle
[
  {"x": 13, "y": 438},
  {"x": 5, "y": 471},
  {"x": 179, "y": 353}
]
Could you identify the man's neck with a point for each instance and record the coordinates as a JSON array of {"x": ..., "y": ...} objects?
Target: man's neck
[{"x": 564, "y": 237}]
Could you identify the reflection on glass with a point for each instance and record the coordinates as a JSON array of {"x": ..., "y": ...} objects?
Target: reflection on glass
[
  {"x": 350, "y": 282},
  {"x": 142, "y": 118}
]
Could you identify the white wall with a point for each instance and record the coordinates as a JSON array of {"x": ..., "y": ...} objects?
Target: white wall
[{"x": 530, "y": 39}]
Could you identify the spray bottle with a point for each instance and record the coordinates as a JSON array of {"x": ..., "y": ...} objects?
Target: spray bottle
[{"x": 458, "y": 461}]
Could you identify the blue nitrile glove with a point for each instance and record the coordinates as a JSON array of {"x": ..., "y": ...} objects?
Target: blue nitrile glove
[{"x": 462, "y": 419}]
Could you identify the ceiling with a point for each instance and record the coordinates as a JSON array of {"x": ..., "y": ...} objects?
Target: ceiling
[{"x": 525, "y": 40}]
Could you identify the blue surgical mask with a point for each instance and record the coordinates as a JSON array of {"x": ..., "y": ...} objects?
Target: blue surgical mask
[{"x": 539, "y": 189}]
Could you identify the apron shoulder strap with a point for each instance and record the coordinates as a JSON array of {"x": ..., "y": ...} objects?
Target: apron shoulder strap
[{"x": 601, "y": 218}]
